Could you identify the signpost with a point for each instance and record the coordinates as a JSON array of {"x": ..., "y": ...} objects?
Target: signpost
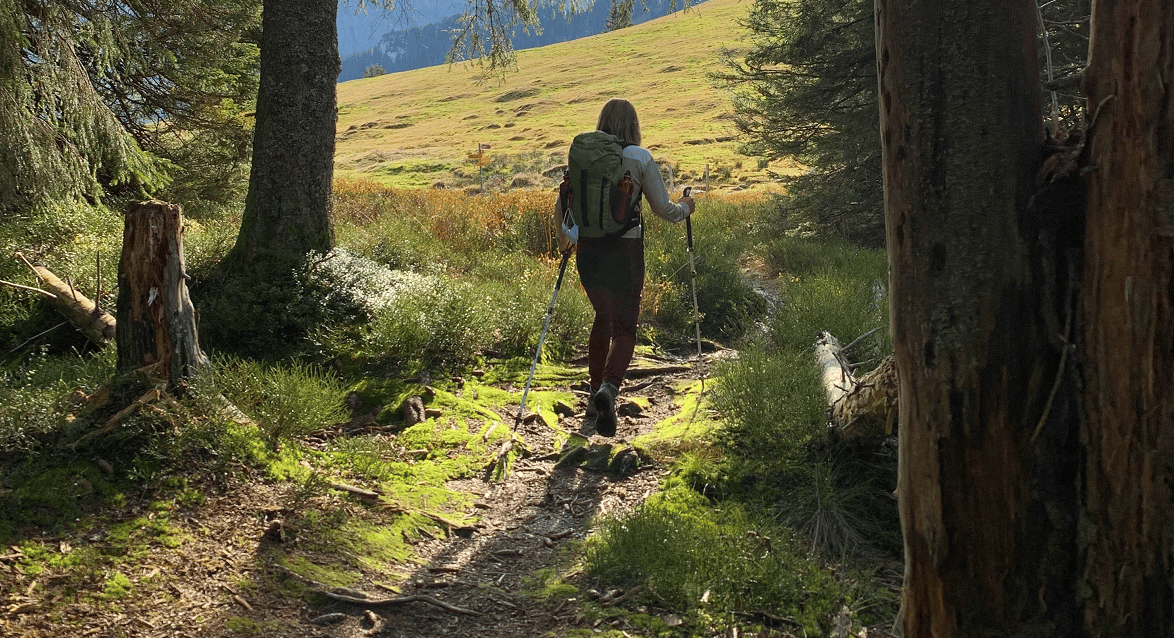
[{"x": 482, "y": 161}]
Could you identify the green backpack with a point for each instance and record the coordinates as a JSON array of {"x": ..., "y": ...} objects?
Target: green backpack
[{"x": 597, "y": 188}]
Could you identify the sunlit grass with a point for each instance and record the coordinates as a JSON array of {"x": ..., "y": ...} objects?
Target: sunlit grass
[{"x": 415, "y": 129}]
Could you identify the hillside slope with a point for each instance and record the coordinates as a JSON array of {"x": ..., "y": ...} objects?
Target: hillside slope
[{"x": 415, "y": 129}]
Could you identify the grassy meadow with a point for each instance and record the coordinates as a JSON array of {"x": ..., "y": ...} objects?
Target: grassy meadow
[
  {"x": 431, "y": 284},
  {"x": 416, "y": 129}
]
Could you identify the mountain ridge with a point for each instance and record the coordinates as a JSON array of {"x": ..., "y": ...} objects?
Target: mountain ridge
[{"x": 423, "y": 45}]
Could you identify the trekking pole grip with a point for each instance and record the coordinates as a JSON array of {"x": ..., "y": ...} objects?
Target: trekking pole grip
[{"x": 689, "y": 220}]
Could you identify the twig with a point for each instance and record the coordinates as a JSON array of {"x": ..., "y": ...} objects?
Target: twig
[
  {"x": 72, "y": 290},
  {"x": 39, "y": 334},
  {"x": 619, "y": 599},
  {"x": 358, "y": 491},
  {"x": 28, "y": 288},
  {"x": 857, "y": 340},
  {"x": 397, "y": 600},
  {"x": 636, "y": 373},
  {"x": 98, "y": 294}
]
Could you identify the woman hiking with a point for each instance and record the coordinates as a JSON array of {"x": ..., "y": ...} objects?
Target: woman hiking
[{"x": 611, "y": 268}]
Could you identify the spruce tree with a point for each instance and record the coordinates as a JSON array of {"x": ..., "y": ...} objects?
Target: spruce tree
[
  {"x": 807, "y": 89},
  {"x": 619, "y": 15},
  {"x": 116, "y": 97}
]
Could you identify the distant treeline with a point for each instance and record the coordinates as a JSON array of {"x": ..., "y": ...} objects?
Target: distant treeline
[{"x": 428, "y": 45}]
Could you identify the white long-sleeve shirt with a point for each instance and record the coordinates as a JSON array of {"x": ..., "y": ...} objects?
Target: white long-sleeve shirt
[{"x": 648, "y": 180}]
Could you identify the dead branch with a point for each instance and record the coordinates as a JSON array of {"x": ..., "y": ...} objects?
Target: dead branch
[
  {"x": 151, "y": 396},
  {"x": 97, "y": 324},
  {"x": 857, "y": 406},
  {"x": 638, "y": 373},
  {"x": 357, "y": 491}
]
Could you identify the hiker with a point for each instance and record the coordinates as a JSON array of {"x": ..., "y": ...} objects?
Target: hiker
[{"x": 611, "y": 268}]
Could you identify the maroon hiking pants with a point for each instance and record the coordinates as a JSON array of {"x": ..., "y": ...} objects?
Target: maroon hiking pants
[{"x": 612, "y": 274}]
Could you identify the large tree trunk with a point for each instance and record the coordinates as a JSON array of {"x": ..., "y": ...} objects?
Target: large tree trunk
[
  {"x": 961, "y": 137},
  {"x": 1034, "y": 341},
  {"x": 156, "y": 320},
  {"x": 1128, "y": 300},
  {"x": 288, "y": 210}
]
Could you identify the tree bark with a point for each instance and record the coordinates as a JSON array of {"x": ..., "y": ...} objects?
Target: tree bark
[
  {"x": 1034, "y": 335},
  {"x": 156, "y": 320},
  {"x": 1128, "y": 303},
  {"x": 961, "y": 139},
  {"x": 288, "y": 210}
]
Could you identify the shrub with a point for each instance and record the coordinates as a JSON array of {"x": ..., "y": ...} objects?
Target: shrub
[
  {"x": 772, "y": 405},
  {"x": 726, "y": 301},
  {"x": 286, "y": 401}
]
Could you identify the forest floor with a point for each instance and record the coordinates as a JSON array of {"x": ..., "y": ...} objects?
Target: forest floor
[{"x": 239, "y": 561}]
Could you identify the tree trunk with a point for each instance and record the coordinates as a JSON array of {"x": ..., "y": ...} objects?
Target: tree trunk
[
  {"x": 1034, "y": 332},
  {"x": 288, "y": 210},
  {"x": 156, "y": 320},
  {"x": 1128, "y": 303},
  {"x": 961, "y": 137}
]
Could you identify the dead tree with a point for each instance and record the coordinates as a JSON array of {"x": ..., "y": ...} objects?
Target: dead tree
[{"x": 156, "y": 320}]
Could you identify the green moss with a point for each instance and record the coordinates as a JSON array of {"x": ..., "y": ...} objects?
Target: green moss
[
  {"x": 117, "y": 585},
  {"x": 327, "y": 575}
]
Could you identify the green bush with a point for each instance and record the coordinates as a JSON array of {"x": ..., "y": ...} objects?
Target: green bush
[
  {"x": 431, "y": 321},
  {"x": 726, "y": 300},
  {"x": 34, "y": 397},
  {"x": 847, "y": 307},
  {"x": 772, "y": 405},
  {"x": 286, "y": 401}
]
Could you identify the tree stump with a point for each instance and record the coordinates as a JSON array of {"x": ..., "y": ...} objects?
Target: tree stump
[{"x": 156, "y": 321}]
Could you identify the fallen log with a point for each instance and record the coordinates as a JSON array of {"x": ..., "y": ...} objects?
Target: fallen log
[
  {"x": 857, "y": 406},
  {"x": 84, "y": 313}
]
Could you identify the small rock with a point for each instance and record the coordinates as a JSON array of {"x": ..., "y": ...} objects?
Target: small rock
[
  {"x": 276, "y": 531},
  {"x": 629, "y": 408},
  {"x": 563, "y": 408}
]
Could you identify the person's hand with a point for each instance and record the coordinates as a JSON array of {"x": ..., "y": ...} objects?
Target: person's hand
[{"x": 688, "y": 201}]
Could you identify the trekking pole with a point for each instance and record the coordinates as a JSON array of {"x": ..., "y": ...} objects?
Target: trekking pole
[
  {"x": 693, "y": 278},
  {"x": 562, "y": 268}
]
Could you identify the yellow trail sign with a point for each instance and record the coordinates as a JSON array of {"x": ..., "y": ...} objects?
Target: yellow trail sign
[{"x": 474, "y": 156}]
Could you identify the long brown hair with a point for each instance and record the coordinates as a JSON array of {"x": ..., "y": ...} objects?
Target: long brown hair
[{"x": 618, "y": 117}]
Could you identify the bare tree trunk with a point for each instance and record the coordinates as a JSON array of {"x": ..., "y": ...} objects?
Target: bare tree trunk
[
  {"x": 156, "y": 320},
  {"x": 961, "y": 138},
  {"x": 1128, "y": 294}
]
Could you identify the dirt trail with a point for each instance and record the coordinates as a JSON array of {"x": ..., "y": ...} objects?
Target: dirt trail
[
  {"x": 524, "y": 524},
  {"x": 222, "y": 579}
]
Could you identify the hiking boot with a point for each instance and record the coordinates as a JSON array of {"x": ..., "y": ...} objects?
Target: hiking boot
[
  {"x": 605, "y": 404},
  {"x": 592, "y": 413}
]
